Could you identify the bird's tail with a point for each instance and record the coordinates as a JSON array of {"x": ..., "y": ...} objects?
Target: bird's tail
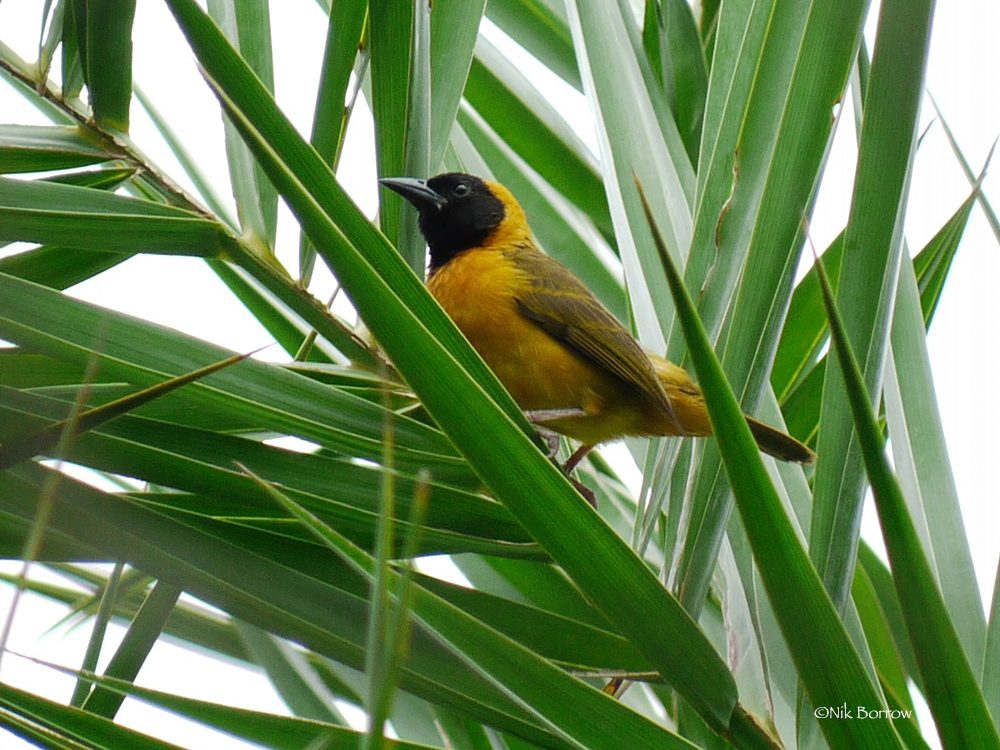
[
  {"x": 689, "y": 416},
  {"x": 776, "y": 443}
]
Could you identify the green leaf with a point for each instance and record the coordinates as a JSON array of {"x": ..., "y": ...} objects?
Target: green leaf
[
  {"x": 262, "y": 394},
  {"x": 554, "y": 696},
  {"x": 675, "y": 52},
  {"x": 296, "y": 605},
  {"x": 921, "y": 462},
  {"x": 135, "y": 647},
  {"x": 108, "y": 62},
  {"x": 291, "y": 675},
  {"x": 638, "y": 137},
  {"x": 767, "y": 126},
  {"x": 991, "y": 672},
  {"x": 805, "y": 613},
  {"x": 49, "y": 213},
  {"x": 248, "y": 28},
  {"x": 872, "y": 248},
  {"x": 991, "y": 215},
  {"x": 269, "y": 730},
  {"x": 951, "y": 689},
  {"x": 109, "y": 594},
  {"x": 21, "y": 447},
  {"x": 60, "y": 726},
  {"x": 805, "y": 330},
  {"x": 59, "y": 267},
  {"x": 453, "y": 32},
  {"x": 331, "y": 112},
  {"x": 392, "y": 39},
  {"x": 37, "y": 148},
  {"x": 933, "y": 263},
  {"x": 540, "y": 26}
]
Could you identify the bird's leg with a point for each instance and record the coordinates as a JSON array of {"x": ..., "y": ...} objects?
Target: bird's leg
[
  {"x": 551, "y": 440},
  {"x": 571, "y": 464},
  {"x": 578, "y": 455},
  {"x": 588, "y": 494},
  {"x": 538, "y": 417}
]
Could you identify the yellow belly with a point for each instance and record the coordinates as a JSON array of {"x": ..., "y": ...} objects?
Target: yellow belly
[{"x": 477, "y": 289}]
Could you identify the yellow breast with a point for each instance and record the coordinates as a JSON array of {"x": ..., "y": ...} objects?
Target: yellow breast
[{"x": 478, "y": 289}]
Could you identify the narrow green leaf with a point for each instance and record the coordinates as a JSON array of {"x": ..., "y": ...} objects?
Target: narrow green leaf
[
  {"x": 878, "y": 633},
  {"x": 921, "y": 462},
  {"x": 933, "y": 263},
  {"x": 991, "y": 215},
  {"x": 50, "y": 213},
  {"x": 541, "y": 27},
  {"x": 391, "y": 38},
  {"x": 109, "y": 60},
  {"x": 805, "y": 329},
  {"x": 952, "y": 692},
  {"x": 777, "y": 69},
  {"x": 261, "y": 394},
  {"x": 805, "y": 613},
  {"x": 638, "y": 137},
  {"x": 453, "y": 32},
  {"x": 291, "y": 675},
  {"x": 73, "y": 41},
  {"x": 248, "y": 28},
  {"x": 39, "y": 148},
  {"x": 59, "y": 267},
  {"x": 550, "y": 693},
  {"x": 872, "y": 248},
  {"x": 684, "y": 74},
  {"x": 268, "y": 730},
  {"x": 199, "y": 462},
  {"x": 50, "y": 35},
  {"x": 55, "y": 725},
  {"x": 104, "y": 179},
  {"x": 991, "y": 671},
  {"x": 18, "y": 449},
  {"x": 97, "y": 634},
  {"x": 296, "y": 605},
  {"x": 417, "y": 134},
  {"x": 135, "y": 647},
  {"x": 346, "y": 22}
]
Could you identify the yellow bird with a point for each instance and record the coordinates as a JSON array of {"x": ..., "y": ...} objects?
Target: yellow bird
[{"x": 566, "y": 360}]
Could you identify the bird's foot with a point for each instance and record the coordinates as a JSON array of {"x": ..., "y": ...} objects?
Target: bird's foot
[
  {"x": 539, "y": 417},
  {"x": 551, "y": 441}
]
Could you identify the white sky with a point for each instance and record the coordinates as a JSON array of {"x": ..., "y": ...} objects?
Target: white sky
[{"x": 963, "y": 75}]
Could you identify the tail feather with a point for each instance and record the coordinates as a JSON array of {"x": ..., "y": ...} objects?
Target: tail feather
[{"x": 776, "y": 443}]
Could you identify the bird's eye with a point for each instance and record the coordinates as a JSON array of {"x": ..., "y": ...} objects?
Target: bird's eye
[{"x": 461, "y": 190}]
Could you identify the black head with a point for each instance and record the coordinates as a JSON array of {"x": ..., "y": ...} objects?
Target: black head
[{"x": 457, "y": 211}]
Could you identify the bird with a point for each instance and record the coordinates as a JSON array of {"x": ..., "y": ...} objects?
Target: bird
[{"x": 568, "y": 362}]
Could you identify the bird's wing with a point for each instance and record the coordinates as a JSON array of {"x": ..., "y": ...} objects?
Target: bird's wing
[{"x": 567, "y": 310}]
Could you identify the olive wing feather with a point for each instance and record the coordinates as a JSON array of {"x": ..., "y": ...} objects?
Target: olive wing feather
[{"x": 567, "y": 310}]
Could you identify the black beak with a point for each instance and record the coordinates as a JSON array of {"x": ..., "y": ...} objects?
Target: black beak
[{"x": 415, "y": 191}]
